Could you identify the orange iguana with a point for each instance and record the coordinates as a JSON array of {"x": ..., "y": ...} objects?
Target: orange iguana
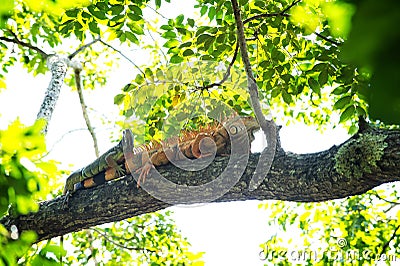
[{"x": 193, "y": 144}]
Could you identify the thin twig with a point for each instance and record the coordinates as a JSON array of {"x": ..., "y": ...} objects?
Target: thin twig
[
  {"x": 157, "y": 12},
  {"x": 124, "y": 56},
  {"x": 119, "y": 244},
  {"x": 388, "y": 201},
  {"x": 84, "y": 110},
  {"x": 268, "y": 15},
  {"x": 90, "y": 240},
  {"x": 327, "y": 39},
  {"x": 83, "y": 47},
  {"x": 151, "y": 36},
  {"x": 290, "y": 6},
  {"x": 228, "y": 70},
  {"x": 385, "y": 246},
  {"x": 24, "y": 44},
  {"x": 264, "y": 15},
  {"x": 284, "y": 14}
]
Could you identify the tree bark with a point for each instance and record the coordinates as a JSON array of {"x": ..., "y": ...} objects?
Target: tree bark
[
  {"x": 58, "y": 67},
  {"x": 366, "y": 160}
]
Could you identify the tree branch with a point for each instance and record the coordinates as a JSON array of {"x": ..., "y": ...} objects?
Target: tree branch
[
  {"x": 386, "y": 245},
  {"x": 289, "y": 7},
  {"x": 83, "y": 47},
  {"x": 24, "y": 44},
  {"x": 78, "y": 83},
  {"x": 58, "y": 67},
  {"x": 227, "y": 73},
  {"x": 269, "y": 128},
  {"x": 282, "y": 13},
  {"x": 264, "y": 15},
  {"x": 294, "y": 177},
  {"x": 124, "y": 56},
  {"x": 327, "y": 39},
  {"x": 119, "y": 244}
]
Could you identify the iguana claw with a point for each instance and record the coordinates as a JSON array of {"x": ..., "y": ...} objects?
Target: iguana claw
[
  {"x": 144, "y": 172},
  {"x": 64, "y": 203}
]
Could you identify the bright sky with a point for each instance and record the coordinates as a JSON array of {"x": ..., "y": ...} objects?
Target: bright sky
[{"x": 229, "y": 233}]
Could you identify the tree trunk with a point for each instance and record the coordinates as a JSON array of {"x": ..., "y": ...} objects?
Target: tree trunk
[{"x": 368, "y": 159}]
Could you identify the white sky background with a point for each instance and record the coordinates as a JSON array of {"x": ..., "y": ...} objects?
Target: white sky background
[{"x": 229, "y": 233}]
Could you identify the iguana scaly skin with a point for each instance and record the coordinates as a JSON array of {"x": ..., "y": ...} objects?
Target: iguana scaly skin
[
  {"x": 193, "y": 144},
  {"x": 109, "y": 161}
]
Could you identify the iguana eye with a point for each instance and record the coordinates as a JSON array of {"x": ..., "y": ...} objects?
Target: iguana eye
[{"x": 233, "y": 130}]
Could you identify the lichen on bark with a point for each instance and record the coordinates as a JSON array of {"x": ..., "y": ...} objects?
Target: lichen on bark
[{"x": 360, "y": 155}]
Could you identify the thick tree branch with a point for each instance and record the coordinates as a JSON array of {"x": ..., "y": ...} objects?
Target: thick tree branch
[
  {"x": 58, "y": 67},
  {"x": 293, "y": 177},
  {"x": 268, "y": 127}
]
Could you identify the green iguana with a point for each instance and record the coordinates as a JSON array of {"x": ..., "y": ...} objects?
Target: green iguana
[
  {"x": 193, "y": 144},
  {"x": 111, "y": 160}
]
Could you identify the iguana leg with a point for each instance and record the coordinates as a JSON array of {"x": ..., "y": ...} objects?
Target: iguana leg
[
  {"x": 144, "y": 172},
  {"x": 127, "y": 146},
  {"x": 117, "y": 169}
]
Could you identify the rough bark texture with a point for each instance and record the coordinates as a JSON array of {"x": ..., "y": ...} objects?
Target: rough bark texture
[
  {"x": 365, "y": 161},
  {"x": 58, "y": 67}
]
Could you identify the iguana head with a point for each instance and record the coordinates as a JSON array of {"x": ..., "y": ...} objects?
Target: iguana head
[{"x": 236, "y": 125}]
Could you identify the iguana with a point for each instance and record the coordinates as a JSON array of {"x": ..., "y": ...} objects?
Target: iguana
[
  {"x": 111, "y": 161},
  {"x": 193, "y": 144}
]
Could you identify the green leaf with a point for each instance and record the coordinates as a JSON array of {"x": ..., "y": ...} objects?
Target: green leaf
[
  {"x": 139, "y": 79},
  {"x": 314, "y": 85},
  {"x": 137, "y": 10},
  {"x": 169, "y": 35},
  {"x": 134, "y": 17},
  {"x": 93, "y": 27},
  {"x": 340, "y": 90},
  {"x": 100, "y": 14},
  {"x": 166, "y": 27},
  {"x": 72, "y": 13},
  {"x": 203, "y": 10},
  {"x": 342, "y": 102},
  {"x": 323, "y": 77},
  {"x": 203, "y": 38},
  {"x": 102, "y": 6},
  {"x": 179, "y": 19},
  {"x": 176, "y": 59},
  {"x": 188, "y": 52},
  {"x": 361, "y": 111},
  {"x": 348, "y": 113},
  {"x": 287, "y": 98},
  {"x": 319, "y": 67},
  {"x": 132, "y": 37},
  {"x": 171, "y": 43},
  {"x": 116, "y": 9},
  {"x": 208, "y": 43},
  {"x": 186, "y": 44},
  {"x": 190, "y": 22},
  {"x": 211, "y": 13}
]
